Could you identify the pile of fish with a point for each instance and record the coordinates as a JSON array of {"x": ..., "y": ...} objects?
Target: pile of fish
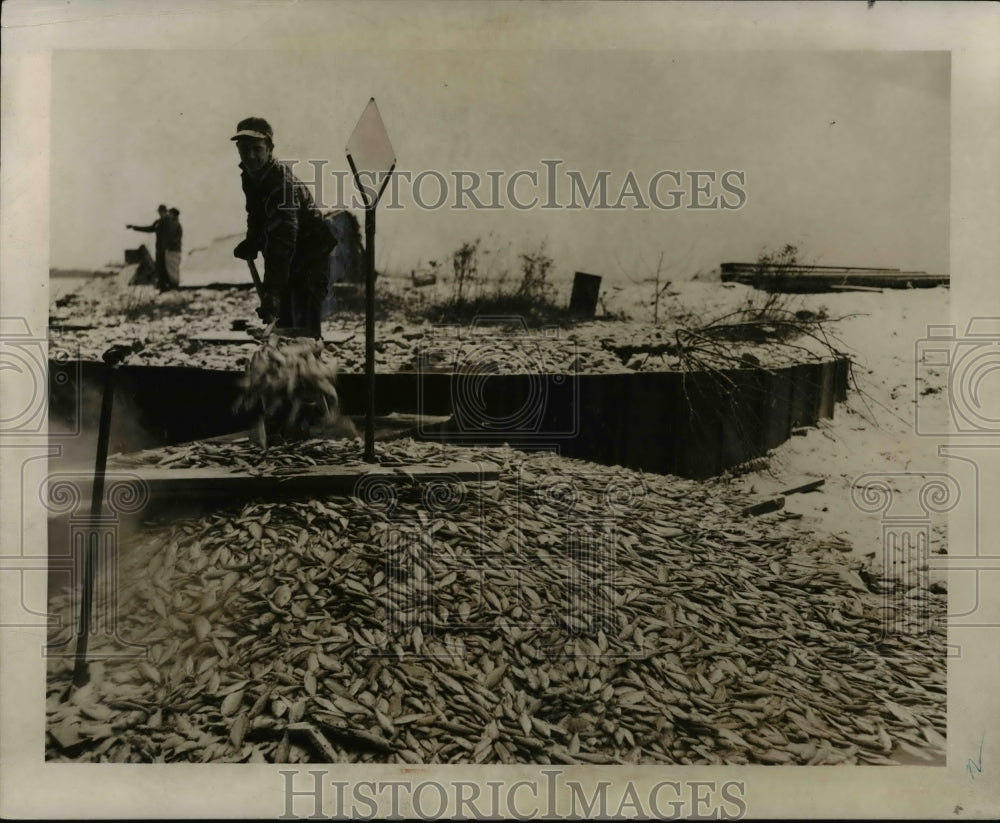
[
  {"x": 566, "y": 613},
  {"x": 169, "y": 327},
  {"x": 289, "y": 383}
]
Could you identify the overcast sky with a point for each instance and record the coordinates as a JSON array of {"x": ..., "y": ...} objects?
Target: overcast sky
[{"x": 845, "y": 154}]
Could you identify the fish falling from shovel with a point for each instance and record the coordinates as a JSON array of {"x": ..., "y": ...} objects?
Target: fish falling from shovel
[{"x": 289, "y": 383}]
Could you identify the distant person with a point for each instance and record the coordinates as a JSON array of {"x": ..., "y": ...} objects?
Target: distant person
[
  {"x": 172, "y": 250},
  {"x": 285, "y": 226},
  {"x": 159, "y": 226}
]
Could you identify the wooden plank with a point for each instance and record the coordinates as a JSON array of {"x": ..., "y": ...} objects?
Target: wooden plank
[
  {"x": 308, "y": 481},
  {"x": 65, "y": 325},
  {"x": 772, "y": 504},
  {"x": 801, "y": 278},
  {"x": 230, "y": 337},
  {"x": 750, "y": 267},
  {"x": 805, "y": 486},
  {"x": 395, "y": 426},
  {"x": 245, "y": 337},
  {"x": 387, "y": 427},
  {"x": 216, "y": 285},
  {"x": 839, "y": 287}
]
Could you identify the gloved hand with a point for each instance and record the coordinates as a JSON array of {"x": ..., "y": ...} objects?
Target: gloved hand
[
  {"x": 269, "y": 304},
  {"x": 245, "y": 250}
]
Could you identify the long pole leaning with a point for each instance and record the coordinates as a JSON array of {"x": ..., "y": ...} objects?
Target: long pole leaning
[{"x": 81, "y": 672}]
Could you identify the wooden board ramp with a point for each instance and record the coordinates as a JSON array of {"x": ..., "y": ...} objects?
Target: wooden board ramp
[{"x": 166, "y": 484}]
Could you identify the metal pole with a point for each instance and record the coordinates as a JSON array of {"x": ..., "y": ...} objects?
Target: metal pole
[
  {"x": 370, "y": 331},
  {"x": 371, "y": 203},
  {"x": 81, "y": 674}
]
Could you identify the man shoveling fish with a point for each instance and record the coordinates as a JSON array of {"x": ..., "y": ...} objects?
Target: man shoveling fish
[
  {"x": 289, "y": 383},
  {"x": 286, "y": 227}
]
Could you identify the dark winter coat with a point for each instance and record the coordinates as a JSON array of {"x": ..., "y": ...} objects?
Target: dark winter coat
[
  {"x": 285, "y": 226},
  {"x": 172, "y": 233},
  {"x": 158, "y": 226}
]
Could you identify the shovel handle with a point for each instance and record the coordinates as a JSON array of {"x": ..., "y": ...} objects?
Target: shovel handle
[
  {"x": 260, "y": 294},
  {"x": 256, "y": 279}
]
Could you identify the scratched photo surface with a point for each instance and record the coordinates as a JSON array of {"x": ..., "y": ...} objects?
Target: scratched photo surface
[{"x": 646, "y": 439}]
